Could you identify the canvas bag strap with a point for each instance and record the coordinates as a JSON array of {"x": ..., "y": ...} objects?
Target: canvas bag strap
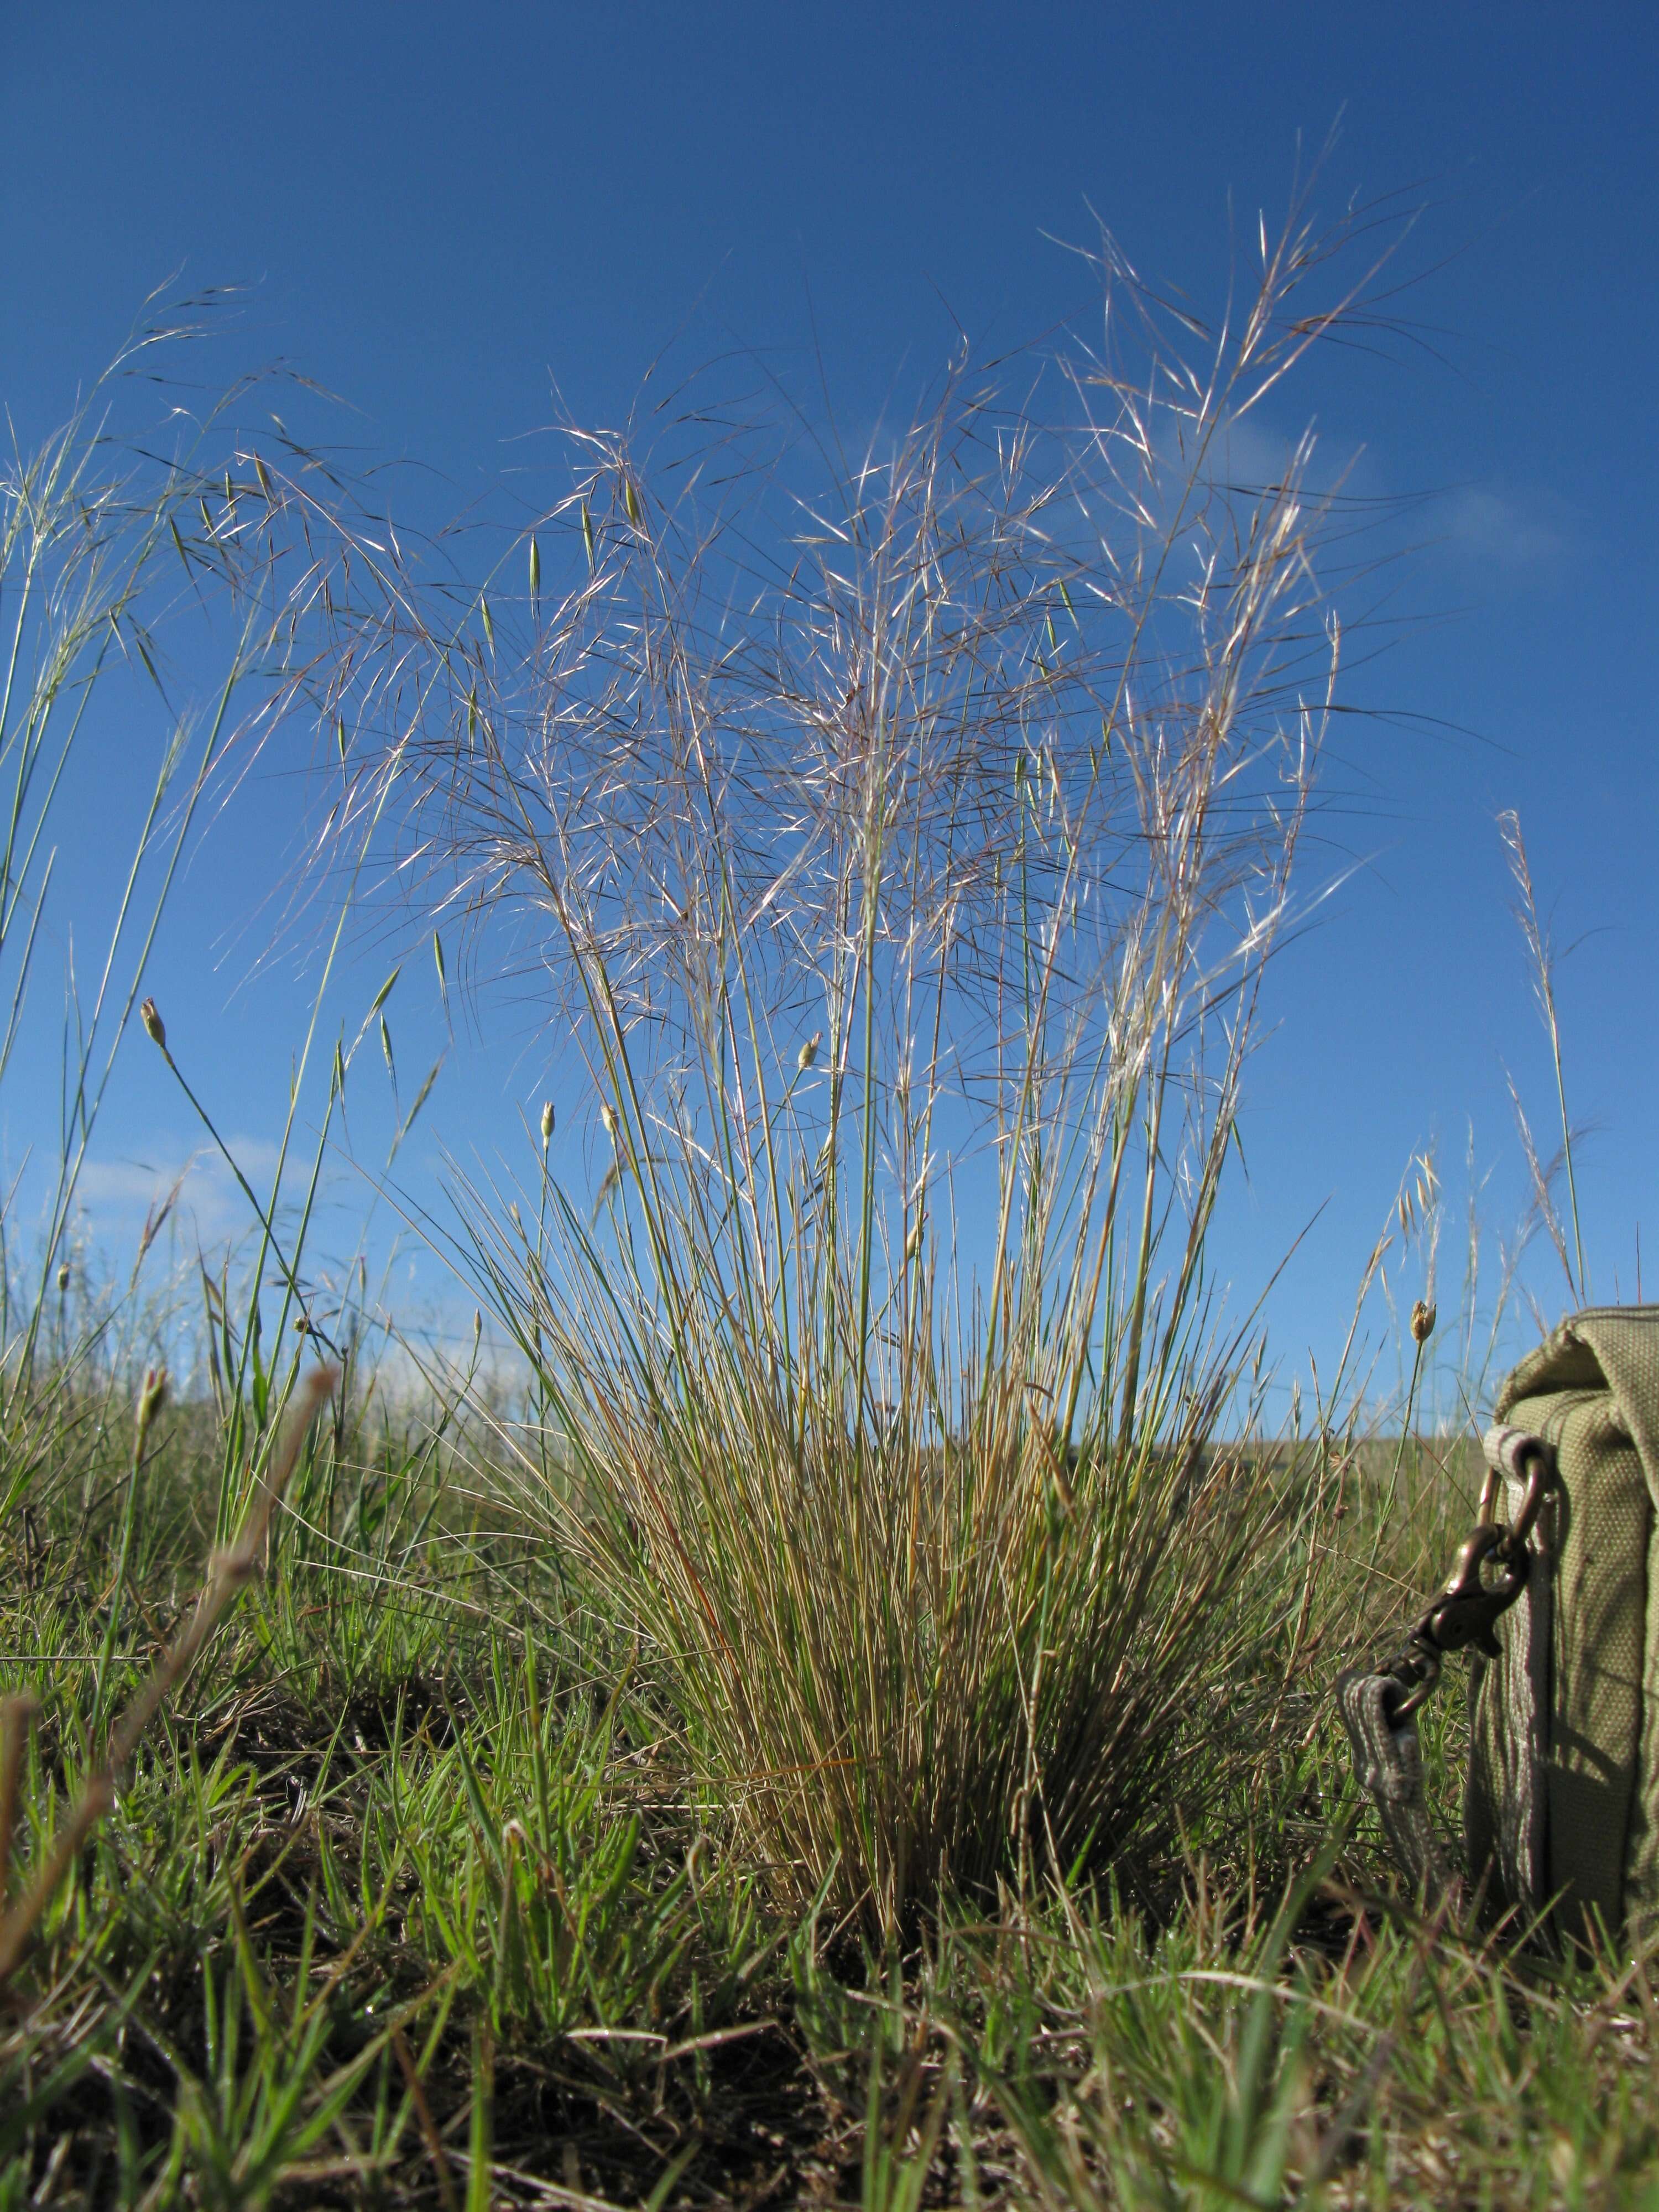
[{"x": 1387, "y": 1761}]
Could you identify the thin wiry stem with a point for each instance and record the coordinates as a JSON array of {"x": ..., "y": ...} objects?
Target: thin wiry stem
[{"x": 1541, "y": 955}]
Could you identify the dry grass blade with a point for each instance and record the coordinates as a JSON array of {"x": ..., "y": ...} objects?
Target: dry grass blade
[
  {"x": 16, "y": 1718},
  {"x": 229, "y": 1570},
  {"x": 429, "y": 2134}
]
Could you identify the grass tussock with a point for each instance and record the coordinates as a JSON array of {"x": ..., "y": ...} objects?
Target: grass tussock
[{"x": 909, "y": 864}]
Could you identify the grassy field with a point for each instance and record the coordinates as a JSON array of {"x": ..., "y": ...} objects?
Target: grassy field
[
  {"x": 415, "y": 1894},
  {"x": 828, "y": 1699}
]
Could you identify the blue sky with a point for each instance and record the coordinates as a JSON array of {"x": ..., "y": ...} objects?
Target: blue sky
[{"x": 445, "y": 214}]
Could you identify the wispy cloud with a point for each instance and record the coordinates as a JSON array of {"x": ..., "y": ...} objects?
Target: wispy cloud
[
  {"x": 1506, "y": 530},
  {"x": 120, "y": 1192}
]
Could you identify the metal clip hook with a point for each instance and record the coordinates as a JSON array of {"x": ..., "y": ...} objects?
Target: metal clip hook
[{"x": 1469, "y": 1604}]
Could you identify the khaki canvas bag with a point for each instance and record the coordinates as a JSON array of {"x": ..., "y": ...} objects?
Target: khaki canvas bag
[{"x": 1557, "y": 1591}]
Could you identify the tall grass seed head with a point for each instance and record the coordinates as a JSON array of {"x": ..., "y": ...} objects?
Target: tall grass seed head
[
  {"x": 1424, "y": 1317},
  {"x": 608, "y": 1116},
  {"x": 809, "y": 1051},
  {"x": 151, "y": 1015},
  {"x": 547, "y": 1123},
  {"x": 152, "y": 1397}
]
